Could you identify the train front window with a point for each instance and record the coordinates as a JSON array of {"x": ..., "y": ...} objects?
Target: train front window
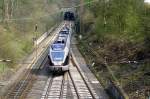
[
  {"x": 58, "y": 46},
  {"x": 64, "y": 32},
  {"x": 57, "y": 56}
]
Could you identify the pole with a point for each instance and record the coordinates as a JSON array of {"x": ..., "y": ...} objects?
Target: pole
[
  {"x": 81, "y": 12},
  {"x": 36, "y": 39},
  {"x": 3, "y": 66}
]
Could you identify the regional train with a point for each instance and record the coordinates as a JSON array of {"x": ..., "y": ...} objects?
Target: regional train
[{"x": 59, "y": 50}]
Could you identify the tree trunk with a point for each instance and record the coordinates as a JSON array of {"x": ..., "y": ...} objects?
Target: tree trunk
[
  {"x": 6, "y": 10},
  {"x": 12, "y": 8},
  {"x": 3, "y": 11}
]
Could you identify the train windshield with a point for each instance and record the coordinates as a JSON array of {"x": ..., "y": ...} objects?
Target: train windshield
[
  {"x": 58, "y": 46},
  {"x": 57, "y": 56},
  {"x": 64, "y": 32}
]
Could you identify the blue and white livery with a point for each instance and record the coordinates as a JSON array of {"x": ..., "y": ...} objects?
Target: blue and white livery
[{"x": 59, "y": 50}]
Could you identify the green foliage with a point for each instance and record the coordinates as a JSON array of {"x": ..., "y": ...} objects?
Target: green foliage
[
  {"x": 3, "y": 67},
  {"x": 10, "y": 47},
  {"x": 17, "y": 33},
  {"x": 146, "y": 24},
  {"x": 1, "y": 9},
  {"x": 119, "y": 19},
  {"x": 121, "y": 29},
  {"x": 120, "y": 33}
]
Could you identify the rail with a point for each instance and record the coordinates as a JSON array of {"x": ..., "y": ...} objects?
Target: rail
[
  {"x": 23, "y": 81},
  {"x": 85, "y": 80}
]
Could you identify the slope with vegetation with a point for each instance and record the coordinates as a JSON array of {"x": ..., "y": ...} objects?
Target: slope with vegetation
[
  {"x": 117, "y": 32},
  {"x": 18, "y": 19}
]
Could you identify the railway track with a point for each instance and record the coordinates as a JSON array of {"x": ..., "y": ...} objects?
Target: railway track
[
  {"x": 70, "y": 85},
  {"x": 21, "y": 88},
  {"x": 58, "y": 87},
  {"x": 83, "y": 88},
  {"x": 37, "y": 83},
  {"x": 54, "y": 87},
  {"x": 24, "y": 83}
]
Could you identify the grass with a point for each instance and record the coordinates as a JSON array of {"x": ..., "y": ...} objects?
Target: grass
[
  {"x": 16, "y": 39},
  {"x": 3, "y": 67}
]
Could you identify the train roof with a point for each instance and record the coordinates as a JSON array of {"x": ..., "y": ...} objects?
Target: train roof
[
  {"x": 59, "y": 44},
  {"x": 61, "y": 38},
  {"x": 65, "y": 28},
  {"x": 57, "y": 47},
  {"x": 63, "y": 32}
]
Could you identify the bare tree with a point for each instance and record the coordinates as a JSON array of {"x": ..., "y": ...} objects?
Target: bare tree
[
  {"x": 6, "y": 9},
  {"x": 12, "y": 8}
]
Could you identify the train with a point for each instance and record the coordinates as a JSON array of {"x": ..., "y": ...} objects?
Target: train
[{"x": 59, "y": 50}]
